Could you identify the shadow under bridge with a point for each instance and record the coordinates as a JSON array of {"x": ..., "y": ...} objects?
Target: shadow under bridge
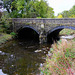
[
  {"x": 28, "y": 33},
  {"x": 53, "y": 35}
]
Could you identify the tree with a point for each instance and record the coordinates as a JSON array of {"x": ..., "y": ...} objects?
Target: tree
[
  {"x": 68, "y": 14},
  {"x": 65, "y": 14},
  {"x": 59, "y": 16},
  {"x": 72, "y": 16},
  {"x": 7, "y": 5},
  {"x": 28, "y": 8},
  {"x": 72, "y": 12}
]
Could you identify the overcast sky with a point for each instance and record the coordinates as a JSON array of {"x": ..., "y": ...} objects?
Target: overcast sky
[{"x": 61, "y": 5}]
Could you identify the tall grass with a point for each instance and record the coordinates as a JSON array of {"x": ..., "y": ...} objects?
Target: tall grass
[
  {"x": 4, "y": 37},
  {"x": 62, "y": 60}
]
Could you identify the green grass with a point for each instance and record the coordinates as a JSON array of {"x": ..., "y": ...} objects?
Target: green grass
[
  {"x": 4, "y": 37},
  {"x": 67, "y": 32}
]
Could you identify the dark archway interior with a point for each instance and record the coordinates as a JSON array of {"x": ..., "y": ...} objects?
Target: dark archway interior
[
  {"x": 28, "y": 34},
  {"x": 53, "y": 36}
]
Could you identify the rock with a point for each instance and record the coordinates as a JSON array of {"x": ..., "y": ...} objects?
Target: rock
[
  {"x": 74, "y": 35},
  {"x": 50, "y": 54},
  {"x": 41, "y": 65},
  {"x": 12, "y": 55},
  {"x": 47, "y": 48},
  {"x": 43, "y": 48},
  {"x": 3, "y": 53},
  {"x": 67, "y": 37},
  {"x": 38, "y": 51},
  {"x": 31, "y": 46},
  {"x": 0, "y": 52},
  {"x": 44, "y": 52}
]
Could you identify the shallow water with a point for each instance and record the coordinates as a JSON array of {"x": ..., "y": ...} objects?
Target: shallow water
[{"x": 22, "y": 58}]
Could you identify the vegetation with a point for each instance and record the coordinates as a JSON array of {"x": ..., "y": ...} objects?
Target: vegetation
[
  {"x": 60, "y": 59},
  {"x": 0, "y": 14},
  {"x": 68, "y": 14},
  {"x": 67, "y": 32},
  {"x": 5, "y": 31},
  {"x": 4, "y": 37},
  {"x": 22, "y": 9},
  {"x": 59, "y": 16},
  {"x": 28, "y": 9}
]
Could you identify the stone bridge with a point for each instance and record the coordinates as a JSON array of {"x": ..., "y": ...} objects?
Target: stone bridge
[{"x": 43, "y": 27}]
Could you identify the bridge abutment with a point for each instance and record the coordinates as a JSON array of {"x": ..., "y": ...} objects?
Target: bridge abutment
[
  {"x": 42, "y": 38},
  {"x": 42, "y": 35}
]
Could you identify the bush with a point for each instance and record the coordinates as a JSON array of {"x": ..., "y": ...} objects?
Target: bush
[
  {"x": 12, "y": 33},
  {"x": 38, "y": 17}
]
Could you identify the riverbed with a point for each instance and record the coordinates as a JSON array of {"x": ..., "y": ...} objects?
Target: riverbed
[{"x": 18, "y": 57}]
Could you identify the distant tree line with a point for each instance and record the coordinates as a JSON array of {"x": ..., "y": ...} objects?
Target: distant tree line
[
  {"x": 68, "y": 14},
  {"x": 28, "y": 9}
]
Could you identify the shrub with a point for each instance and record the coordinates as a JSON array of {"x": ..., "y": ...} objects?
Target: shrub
[{"x": 13, "y": 33}]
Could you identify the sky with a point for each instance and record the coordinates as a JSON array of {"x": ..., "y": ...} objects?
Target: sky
[{"x": 61, "y": 5}]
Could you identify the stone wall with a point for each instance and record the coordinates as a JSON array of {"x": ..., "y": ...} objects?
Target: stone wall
[{"x": 42, "y": 26}]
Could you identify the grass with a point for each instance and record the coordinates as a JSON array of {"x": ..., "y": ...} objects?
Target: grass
[
  {"x": 4, "y": 37},
  {"x": 62, "y": 60},
  {"x": 67, "y": 32}
]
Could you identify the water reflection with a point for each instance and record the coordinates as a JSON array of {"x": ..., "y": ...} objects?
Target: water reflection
[{"x": 19, "y": 58}]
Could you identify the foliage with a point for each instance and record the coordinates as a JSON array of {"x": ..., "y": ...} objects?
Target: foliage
[
  {"x": 7, "y": 5},
  {"x": 72, "y": 16},
  {"x": 13, "y": 33},
  {"x": 67, "y": 32},
  {"x": 65, "y": 14},
  {"x": 62, "y": 60},
  {"x": 28, "y": 8},
  {"x": 59, "y": 16},
  {"x": 38, "y": 17},
  {"x": 4, "y": 37},
  {"x": 68, "y": 14},
  {"x": 72, "y": 11},
  {"x": 4, "y": 23}
]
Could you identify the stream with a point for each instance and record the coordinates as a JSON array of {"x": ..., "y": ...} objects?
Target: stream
[{"x": 18, "y": 57}]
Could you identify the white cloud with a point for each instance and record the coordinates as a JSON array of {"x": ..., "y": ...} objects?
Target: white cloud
[{"x": 61, "y": 5}]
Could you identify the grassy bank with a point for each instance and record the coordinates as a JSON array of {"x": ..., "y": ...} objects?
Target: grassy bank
[
  {"x": 4, "y": 37},
  {"x": 60, "y": 59},
  {"x": 67, "y": 32}
]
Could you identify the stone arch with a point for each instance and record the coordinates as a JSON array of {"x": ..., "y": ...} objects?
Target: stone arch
[
  {"x": 53, "y": 34},
  {"x": 28, "y": 32},
  {"x": 27, "y": 26}
]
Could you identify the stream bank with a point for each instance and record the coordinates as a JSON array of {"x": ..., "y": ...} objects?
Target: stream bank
[
  {"x": 5, "y": 38},
  {"x": 60, "y": 59}
]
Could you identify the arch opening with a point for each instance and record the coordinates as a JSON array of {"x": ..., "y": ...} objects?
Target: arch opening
[
  {"x": 53, "y": 35},
  {"x": 28, "y": 34}
]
